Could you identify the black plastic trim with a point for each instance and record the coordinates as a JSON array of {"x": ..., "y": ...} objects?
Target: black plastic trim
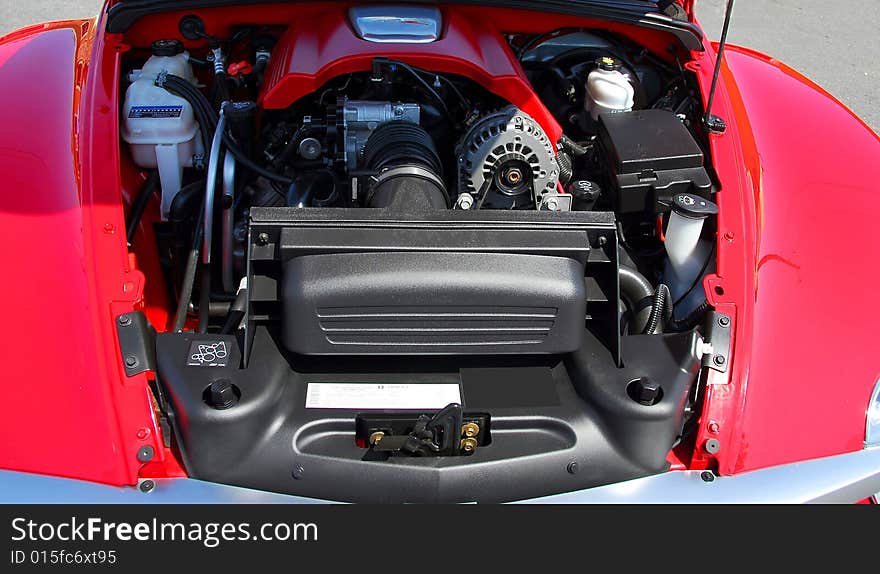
[{"x": 558, "y": 424}]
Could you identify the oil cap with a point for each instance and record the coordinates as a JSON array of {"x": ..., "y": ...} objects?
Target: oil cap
[
  {"x": 693, "y": 206},
  {"x": 167, "y": 48},
  {"x": 222, "y": 394}
]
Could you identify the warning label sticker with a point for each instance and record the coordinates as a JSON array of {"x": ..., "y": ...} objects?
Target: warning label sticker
[
  {"x": 156, "y": 112},
  {"x": 384, "y": 396},
  {"x": 208, "y": 354}
]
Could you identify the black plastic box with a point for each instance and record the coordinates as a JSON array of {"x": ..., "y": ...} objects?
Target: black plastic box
[{"x": 652, "y": 157}]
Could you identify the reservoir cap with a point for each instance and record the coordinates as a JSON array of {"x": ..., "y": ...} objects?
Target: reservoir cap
[
  {"x": 693, "y": 206},
  {"x": 167, "y": 48}
]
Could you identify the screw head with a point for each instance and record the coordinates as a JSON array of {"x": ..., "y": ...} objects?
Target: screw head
[
  {"x": 707, "y": 476},
  {"x": 573, "y": 468},
  {"x": 124, "y": 320},
  {"x": 298, "y": 472},
  {"x": 131, "y": 361},
  {"x": 469, "y": 445},
  {"x": 145, "y": 453},
  {"x": 376, "y": 437},
  {"x": 263, "y": 239},
  {"x": 724, "y": 321},
  {"x": 714, "y": 427},
  {"x": 719, "y": 360},
  {"x": 143, "y": 433},
  {"x": 147, "y": 485}
]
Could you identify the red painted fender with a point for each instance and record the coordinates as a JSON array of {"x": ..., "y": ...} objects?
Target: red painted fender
[
  {"x": 67, "y": 407},
  {"x": 798, "y": 266}
]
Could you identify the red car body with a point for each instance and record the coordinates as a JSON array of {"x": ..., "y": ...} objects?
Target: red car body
[{"x": 797, "y": 197}]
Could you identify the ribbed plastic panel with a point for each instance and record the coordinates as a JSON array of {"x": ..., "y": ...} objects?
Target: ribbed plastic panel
[{"x": 437, "y": 326}]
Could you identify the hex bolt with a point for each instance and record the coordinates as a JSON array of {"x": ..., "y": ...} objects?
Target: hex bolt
[
  {"x": 145, "y": 453},
  {"x": 376, "y": 437},
  {"x": 263, "y": 239},
  {"x": 719, "y": 360},
  {"x": 714, "y": 427},
  {"x": 707, "y": 476},
  {"x": 131, "y": 361},
  {"x": 147, "y": 486},
  {"x": 124, "y": 320},
  {"x": 143, "y": 433},
  {"x": 469, "y": 445},
  {"x": 298, "y": 473},
  {"x": 573, "y": 468},
  {"x": 724, "y": 321},
  {"x": 603, "y": 241}
]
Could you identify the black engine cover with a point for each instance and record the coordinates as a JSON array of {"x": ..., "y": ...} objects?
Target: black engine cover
[{"x": 378, "y": 282}]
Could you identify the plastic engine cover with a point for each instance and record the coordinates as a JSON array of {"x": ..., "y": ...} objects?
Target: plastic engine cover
[{"x": 433, "y": 303}]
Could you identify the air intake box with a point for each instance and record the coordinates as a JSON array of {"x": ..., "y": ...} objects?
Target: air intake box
[{"x": 373, "y": 282}]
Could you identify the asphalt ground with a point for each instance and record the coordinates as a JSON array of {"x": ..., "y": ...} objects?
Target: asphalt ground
[{"x": 835, "y": 43}]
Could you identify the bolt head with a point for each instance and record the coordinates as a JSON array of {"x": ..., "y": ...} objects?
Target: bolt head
[
  {"x": 131, "y": 361},
  {"x": 714, "y": 427},
  {"x": 724, "y": 321},
  {"x": 147, "y": 486},
  {"x": 719, "y": 360},
  {"x": 263, "y": 239},
  {"x": 145, "y": 453},
  {"x": 707, "y": 476},
  {"x": 298, "y": 473},
  {"x": 573, "y": 468},
  {"x": 124, "y": 320}
]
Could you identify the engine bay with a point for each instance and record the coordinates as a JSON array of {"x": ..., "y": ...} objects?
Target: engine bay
[{"x": 416, "y": 257}]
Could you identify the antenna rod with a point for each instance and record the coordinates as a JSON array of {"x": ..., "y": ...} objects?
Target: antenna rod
[{"x": 713, "y": 123}]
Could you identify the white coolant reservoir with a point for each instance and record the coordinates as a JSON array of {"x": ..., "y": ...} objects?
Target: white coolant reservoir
[
  {"x": 608, "y": 90},
  {"x": 687, "y": 253},
  {"x": 159, "y": 127}
]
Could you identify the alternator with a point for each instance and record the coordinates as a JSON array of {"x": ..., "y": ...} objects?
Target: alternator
[{"x": 507, "y": 154}]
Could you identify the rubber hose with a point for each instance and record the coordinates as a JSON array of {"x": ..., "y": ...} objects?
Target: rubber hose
[
  {"x": 566, "y": 171},
  {"x": 658, "y": 310},
  {"x": 236, "y": 313},
  {"x": 151, "y": 185},
  {"x": 692, "y": 320},
  {"x": 635, "y": 289},
  {"x": 572, "y": 146}
]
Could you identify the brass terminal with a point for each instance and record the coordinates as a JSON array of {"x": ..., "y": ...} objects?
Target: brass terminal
[
  {"x": 376, "y": 437},
  {"x": 470, "y": 430},
  {"x": 469, "y": 445}
]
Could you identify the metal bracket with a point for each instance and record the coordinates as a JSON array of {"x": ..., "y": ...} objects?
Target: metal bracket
[
  {"x": 137, "y": 343},
  {"x": 718, "y": 334}
]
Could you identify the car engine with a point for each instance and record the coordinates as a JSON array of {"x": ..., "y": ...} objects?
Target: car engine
[{"x": 527, "y": 216}]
